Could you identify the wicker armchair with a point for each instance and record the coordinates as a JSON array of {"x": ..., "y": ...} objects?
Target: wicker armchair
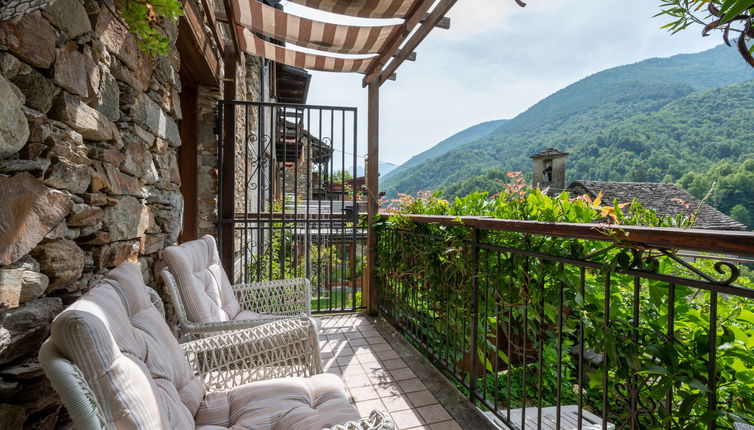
[
  {"x": 205, "y": 301},
  {"x": 115, "y": 364}
]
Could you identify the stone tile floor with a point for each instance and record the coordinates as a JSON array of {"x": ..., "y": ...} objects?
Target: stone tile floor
[{"x": 376, "y": 376}]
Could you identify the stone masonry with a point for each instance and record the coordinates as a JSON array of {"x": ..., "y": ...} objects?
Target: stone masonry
[{"x": 88, "y": 177}]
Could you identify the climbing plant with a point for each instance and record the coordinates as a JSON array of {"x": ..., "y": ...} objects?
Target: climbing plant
[
  {"x": 428, "y": 273},
  {"x": 143, "y": 18}
]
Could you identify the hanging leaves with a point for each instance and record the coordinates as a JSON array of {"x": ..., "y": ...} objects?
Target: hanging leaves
[
  {"x": 143, "y": 18},
  {"x": 727, "y": 16}
]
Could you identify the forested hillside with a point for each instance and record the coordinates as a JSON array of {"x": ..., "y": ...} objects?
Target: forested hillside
[
  {"x": 469, "y": 135},
  {"x": 655, "y": 120}
]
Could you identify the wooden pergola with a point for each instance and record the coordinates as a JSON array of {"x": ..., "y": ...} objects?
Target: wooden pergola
[{"x": 381, "y": 50}]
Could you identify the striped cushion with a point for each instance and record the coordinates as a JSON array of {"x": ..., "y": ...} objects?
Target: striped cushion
[
  {"x": 288, "y": 403},
  {"x": 246, "y": 315},
  {"x": 204, "y": 287},
  {"x": 128, "y": 355}
]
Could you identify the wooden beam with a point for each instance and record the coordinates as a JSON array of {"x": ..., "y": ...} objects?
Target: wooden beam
[
  {"x": 373, "y": 195},
  {"x": 739, "y": 243},
  {"x": 443, "y": 24},
  {"x": 209, "y": 12},
  {"x": 411, "y": 56},
  {"x": 421, "y": 33},
  {"x": 228, "y": 154},
  {"x": 233, "y": 30},
  {"x": 394, "y": 44},
  {"x": 197, "y": 55},
  {"x": 187, "y": 158}
]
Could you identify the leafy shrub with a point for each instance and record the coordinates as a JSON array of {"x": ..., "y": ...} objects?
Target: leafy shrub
[{"x": 427, "y": 270}]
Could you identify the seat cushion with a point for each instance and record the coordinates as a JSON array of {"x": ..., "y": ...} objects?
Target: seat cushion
[
  {"x": 282, "y": 404},
  {"x": 246, "y": 315},
  {"x": 128, "y": 355},
  {"x": 204, "y": 287}
]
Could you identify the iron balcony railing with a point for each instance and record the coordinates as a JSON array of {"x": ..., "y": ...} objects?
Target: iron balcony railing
[{"x": 555, "y": 325}]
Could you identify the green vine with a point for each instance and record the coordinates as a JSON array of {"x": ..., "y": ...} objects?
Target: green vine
[
  {"x": 143, "y": 18},
  {"x": 427, "y": 271}
]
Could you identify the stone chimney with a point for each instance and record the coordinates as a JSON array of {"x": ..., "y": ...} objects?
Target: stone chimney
[{"x": 549, "y": 170}]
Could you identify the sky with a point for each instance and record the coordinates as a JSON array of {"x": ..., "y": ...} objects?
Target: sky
[{"x": 497, "y": 60}]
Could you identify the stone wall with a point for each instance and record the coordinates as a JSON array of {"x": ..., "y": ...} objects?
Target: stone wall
[
  {"x": 88, "y": 177},
  {"x": 299, "y": 177},
  {"x": 207, "y": 187}
]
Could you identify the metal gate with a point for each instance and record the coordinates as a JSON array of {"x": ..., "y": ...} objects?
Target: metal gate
[{"x": 291, "y": 187}]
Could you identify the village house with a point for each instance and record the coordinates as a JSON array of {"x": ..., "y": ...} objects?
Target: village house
[{"x": 667, "y": 200}]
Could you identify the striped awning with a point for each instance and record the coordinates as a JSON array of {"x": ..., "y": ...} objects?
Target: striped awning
[
  {"x": 261, "y": 48},
  {"x": 307, "y": 33},
  {"x": 363, "y": 8},
  {"x": 256, "y": 21}
]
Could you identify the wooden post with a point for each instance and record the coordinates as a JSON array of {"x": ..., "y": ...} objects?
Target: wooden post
[
  {"x": 373, "y": 193},
  {"x": 227, "y": 211}
]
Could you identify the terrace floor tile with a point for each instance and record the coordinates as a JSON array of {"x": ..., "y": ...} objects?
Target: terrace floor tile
[{"x": 378, "y": 377}]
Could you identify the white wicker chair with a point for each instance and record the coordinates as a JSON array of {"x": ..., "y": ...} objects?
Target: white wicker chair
[
  {"x": 205, "y": 301},
  {"x": 129, "y": 347}
]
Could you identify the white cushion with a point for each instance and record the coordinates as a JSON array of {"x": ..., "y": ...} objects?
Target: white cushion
[
  {"x": 285, "y": 404},
  {"x": 204, "y": 287}
]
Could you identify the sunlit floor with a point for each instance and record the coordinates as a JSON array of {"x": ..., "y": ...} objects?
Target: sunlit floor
[{"x": 376, "y": 376}]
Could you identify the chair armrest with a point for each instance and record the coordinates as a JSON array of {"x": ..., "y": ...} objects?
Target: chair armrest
[
  {"x": 275, "y": 350},
  {"x": 75, "y": 393},
  {"x": 378, "y": 420},
  {"x": 289, "y": 297}
]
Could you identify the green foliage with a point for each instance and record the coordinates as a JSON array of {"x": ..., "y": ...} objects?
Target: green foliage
[
  {"x": 727, "y": 16},
  {"x": 278, "y": 259},
  {"x": 652, "y": 121},
  {"x": 732, "y": 187},
  {"x": 469, "y": 135},
  {"x": 742, "y": 214},
  {"x": 427, "y": 270},
  {"x": 142, "y": 18},
  {"x": 491, "y": 182},
  {"x": 340, "y": 175}
]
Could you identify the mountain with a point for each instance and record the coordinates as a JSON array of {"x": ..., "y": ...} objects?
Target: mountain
[
  {"x": 469, "y": 135},
  {"x": 384, "y": 169},
  {"x": 653, "y": 120}
]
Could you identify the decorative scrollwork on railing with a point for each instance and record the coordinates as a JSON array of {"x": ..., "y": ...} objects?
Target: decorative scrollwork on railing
[
  {"x": 648, "y": 263},
  {"x": 721, "y": 267},
  {"x": 640, "y": 409},
  {"x": 576, "y": 249},
  {"x": 258, "y": 163}
]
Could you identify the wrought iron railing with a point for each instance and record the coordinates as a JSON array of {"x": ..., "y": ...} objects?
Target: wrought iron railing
[{"x": 555, "y": 325}]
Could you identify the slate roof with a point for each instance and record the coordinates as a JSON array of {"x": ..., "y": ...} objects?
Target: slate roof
[
  {"x": 659, "y": 197},
  {"x": 549, "y": 152}
]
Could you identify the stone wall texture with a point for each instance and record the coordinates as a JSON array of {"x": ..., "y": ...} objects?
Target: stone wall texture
[{"x": 88, "y": 177}]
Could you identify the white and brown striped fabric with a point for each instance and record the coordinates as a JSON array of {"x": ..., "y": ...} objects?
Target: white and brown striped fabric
[
  {"x": 363, "y": 8},
  {"x": 261, "y": 48},
  {"x": 128, "y": 355},
  {"x": 204, "y": 287},
  {"x": 307, "y": 33},
  {"x": 289, "y": 403}
]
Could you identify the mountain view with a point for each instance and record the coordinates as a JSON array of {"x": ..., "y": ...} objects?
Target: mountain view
[{"x": 684, "y": 119}]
